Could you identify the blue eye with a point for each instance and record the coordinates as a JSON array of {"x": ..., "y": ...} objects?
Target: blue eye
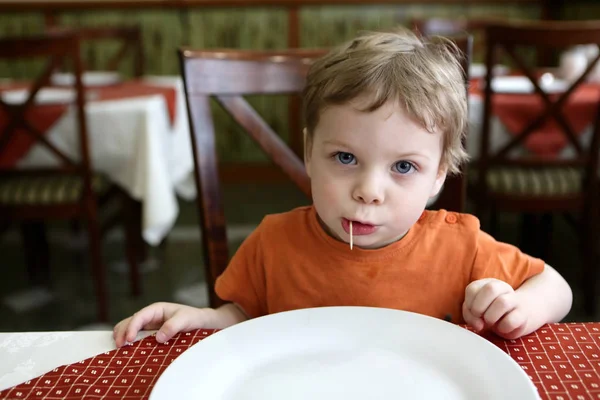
[
  {"x": 345, "y": 158},
  {"x": 403, "y": 167}
]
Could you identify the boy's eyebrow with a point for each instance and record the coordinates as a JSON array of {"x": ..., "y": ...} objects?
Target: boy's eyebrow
[
  {"x": 335, "y": 143},
  {"x": 413, "y": 154}
]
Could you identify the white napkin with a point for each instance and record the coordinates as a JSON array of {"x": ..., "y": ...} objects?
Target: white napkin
[
  {"x": 44, "y": 96},
  {"x": 88, "y": 78},
  {"x": 522, "y": 84},
  {"x": 574, "y": 61},
  {"x": 477, "y": 70}
]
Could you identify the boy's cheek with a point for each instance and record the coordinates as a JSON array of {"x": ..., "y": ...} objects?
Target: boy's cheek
[{"x": 328, "y": 192}]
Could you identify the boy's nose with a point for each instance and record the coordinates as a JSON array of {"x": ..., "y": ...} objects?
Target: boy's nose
[{"x": 368, "y": 191}]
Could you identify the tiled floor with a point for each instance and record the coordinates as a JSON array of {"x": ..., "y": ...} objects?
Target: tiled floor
[{"x": 70, "y": 302}]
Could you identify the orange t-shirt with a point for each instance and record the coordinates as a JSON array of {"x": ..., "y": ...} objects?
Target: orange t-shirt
[{"x": 289, "y": 262}]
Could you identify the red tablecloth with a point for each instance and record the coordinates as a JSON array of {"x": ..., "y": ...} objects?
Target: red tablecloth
[
  {"x": 44, "y": 116},
  {"x": 517, "y": 111},
  {"x": 563, "y": 361}
]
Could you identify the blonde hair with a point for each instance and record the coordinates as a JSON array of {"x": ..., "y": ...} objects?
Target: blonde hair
[{"x": 424, "y": 75}]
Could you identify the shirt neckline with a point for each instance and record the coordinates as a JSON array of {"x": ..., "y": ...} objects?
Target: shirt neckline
[{"x": 342, "y": 249}]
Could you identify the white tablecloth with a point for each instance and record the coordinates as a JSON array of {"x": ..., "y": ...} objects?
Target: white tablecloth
[
  {"x": 26, "y": 355},
  {"x": 134, "y": 143}
]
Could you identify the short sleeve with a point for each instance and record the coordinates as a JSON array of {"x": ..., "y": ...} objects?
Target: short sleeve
[
  {"x": 243, "y": 281},
  {"x": 503, "y": 261}
]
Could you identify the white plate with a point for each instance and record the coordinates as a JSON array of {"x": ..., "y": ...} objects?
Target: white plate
[
  {"x": 89, "y": 78},
  {"x": 478, "y": 70},
  {"x": 346, "y": 353},
  {"x": 44, "y": 96},
  {"x": 521, "y": 84}
]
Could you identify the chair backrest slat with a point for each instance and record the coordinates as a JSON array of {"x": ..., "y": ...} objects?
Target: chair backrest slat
[
  {"x": 277, "y": 150},
  {"x": 543, "y": 34},
  {"x": 222, "y": 73}
]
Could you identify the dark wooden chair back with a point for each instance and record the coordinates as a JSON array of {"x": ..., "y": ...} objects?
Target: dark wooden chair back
[
  {"x": 509, "y": 38},
  {"x": 449, "y": 27},
  {"x": 227, "y": 76},
  {"x": 474, "y": 27},
  {"x": 57, "y": 49},
  {"x": 454, "y": 193},
  {"x": 128, "y": 38}
]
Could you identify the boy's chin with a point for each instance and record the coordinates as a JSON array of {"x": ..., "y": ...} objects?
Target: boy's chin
[
  {"x": 372, "y": 243},
  {"x": 366, "y": 244}
]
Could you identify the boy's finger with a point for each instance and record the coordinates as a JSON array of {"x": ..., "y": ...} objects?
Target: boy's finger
[
  {"x": 472, "y": 289},
  {"x": 514, "y": 321},
  {"x": 471, "y": 320},
  {"x": 119, "y": 332},
  {"x": 500, "y": 307},
  {"x": 487, "y": 295},
  {"x": 140, "y": 320},
  {"x": 179, "y": 322},
  {"x": 116, "y": 337}
]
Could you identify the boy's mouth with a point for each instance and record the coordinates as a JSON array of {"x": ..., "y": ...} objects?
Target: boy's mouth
[{"x": 358, "y": 228}]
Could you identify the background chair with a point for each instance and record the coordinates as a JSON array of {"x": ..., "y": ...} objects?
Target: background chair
[
  {"x": 475, "y": 27},
  {"x": 523, "y": 181},
  {"x": 71, "y": 190},
  {"x": 126, "y": 54},
  {"x": 227, "y": 76}
]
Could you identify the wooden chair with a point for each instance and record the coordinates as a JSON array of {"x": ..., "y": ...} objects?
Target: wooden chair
[
  {"x": 446, "y": 26},
  {"x": 533, "y": 184},
  {"x": 71, "y": 190},
  {"x": 227, "y": 76},
  {"x": 455, "y": 26}
]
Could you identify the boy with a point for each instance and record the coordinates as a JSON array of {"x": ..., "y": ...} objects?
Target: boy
[{"x": 385, "y": 116}]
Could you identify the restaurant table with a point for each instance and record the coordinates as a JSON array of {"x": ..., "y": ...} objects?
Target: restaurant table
[
  {"x": 139, "y": 137},
  {"x": 511, "y": 112},
  {"x": 562, "y": 360}
]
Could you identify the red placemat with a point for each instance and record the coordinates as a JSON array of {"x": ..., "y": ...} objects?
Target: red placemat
[
  {"x": 563, "y": 361},
  {"x": 41, "y": 117},
  {"x": 126, "y": 373}
]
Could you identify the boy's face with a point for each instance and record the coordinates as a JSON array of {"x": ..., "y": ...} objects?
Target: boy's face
[{"x": 377, "y": 169}]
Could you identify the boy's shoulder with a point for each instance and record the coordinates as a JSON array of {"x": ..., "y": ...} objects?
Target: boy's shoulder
[
  {"x": 450, "y": 221},
  {"x": 448, "y": 232}
]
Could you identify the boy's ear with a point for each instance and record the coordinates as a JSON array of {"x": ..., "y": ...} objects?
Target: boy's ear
[
  {"x": 307, "y": 150},
  {"x": 439, "y": 181}
]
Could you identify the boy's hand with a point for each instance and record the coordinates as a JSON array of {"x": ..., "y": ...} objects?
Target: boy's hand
[
  {"x": 168, "y": 318},
  {"x": 492, "y": 303}
]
